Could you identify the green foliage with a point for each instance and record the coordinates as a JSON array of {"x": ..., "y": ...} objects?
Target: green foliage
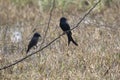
[
  {"x": 21, "y": 2},
  {"x": 45, "y": 4},
  {"x": 66, "y": 4},
  {"x": 108, "y": 2}
]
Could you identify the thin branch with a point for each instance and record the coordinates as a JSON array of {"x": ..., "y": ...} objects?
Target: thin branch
[
  {"x": 20, "y": 60},
  {"x": 48, "y": 22},
  {"x": 86, "y": 14}
]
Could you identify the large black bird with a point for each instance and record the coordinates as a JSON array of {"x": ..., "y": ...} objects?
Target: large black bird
[
  {"x": 33, "y": 41},
  {"x": 65, "y": 27}
]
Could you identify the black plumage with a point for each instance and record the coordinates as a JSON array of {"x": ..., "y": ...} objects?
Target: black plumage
[
  {"x": 66, "y": 28},
  {"x": 33, "y": 41}
]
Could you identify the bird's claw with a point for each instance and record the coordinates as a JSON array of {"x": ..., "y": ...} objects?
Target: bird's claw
[{"x": 64, "y": 33}]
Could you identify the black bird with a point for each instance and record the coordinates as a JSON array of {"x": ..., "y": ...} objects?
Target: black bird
[
  {"x": 65, "y": 27},
  {"x": 33, "y": 41}
]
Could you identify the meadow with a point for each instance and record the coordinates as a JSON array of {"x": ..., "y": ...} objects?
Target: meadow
[{"x": 97, "y": 56}]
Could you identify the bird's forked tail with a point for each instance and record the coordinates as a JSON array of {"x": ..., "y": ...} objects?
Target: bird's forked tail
[{"x": 71, "y": 39}]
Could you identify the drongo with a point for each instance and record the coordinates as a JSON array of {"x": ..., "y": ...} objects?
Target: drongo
[
  {"x": 33, "y": 41},
  {"x": 66, "y": 28}
]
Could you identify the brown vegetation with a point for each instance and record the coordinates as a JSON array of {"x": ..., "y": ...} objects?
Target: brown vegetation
[{"x": 96, "y": 58}]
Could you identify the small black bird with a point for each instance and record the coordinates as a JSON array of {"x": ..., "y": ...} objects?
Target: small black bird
[
  {"x": 33, "y": 41},
  {"x": 65, "y": 27}
]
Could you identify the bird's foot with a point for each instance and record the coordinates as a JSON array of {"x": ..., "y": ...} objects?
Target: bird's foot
[{"x": 64, "y": 33}]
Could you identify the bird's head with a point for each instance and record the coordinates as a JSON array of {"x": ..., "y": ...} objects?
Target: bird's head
[
  {"x": 63, "y": 19},
  {"x": 37, "y": 34}
]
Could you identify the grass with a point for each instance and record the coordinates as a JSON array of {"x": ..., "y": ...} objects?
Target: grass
[{"x": 96, "y": 58}]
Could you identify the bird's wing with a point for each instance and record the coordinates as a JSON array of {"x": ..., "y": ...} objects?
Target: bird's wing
[
  {"x": 64, "y": 26},
  {"x": 67, "y": 27}
]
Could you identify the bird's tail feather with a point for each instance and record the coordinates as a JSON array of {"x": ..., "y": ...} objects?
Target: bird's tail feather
[{"x": 71, "y": 39}]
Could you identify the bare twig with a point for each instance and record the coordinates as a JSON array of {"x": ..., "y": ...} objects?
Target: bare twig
[
  {"x": 20, "y": 60},
  {"x": 48, "y": 22},
  {"x": 86, "y": 15}
]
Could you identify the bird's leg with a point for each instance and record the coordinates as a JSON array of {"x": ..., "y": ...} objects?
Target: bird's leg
[
  {"x": 64, "y": 32},
  {"x": 36, "y": 46}
]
